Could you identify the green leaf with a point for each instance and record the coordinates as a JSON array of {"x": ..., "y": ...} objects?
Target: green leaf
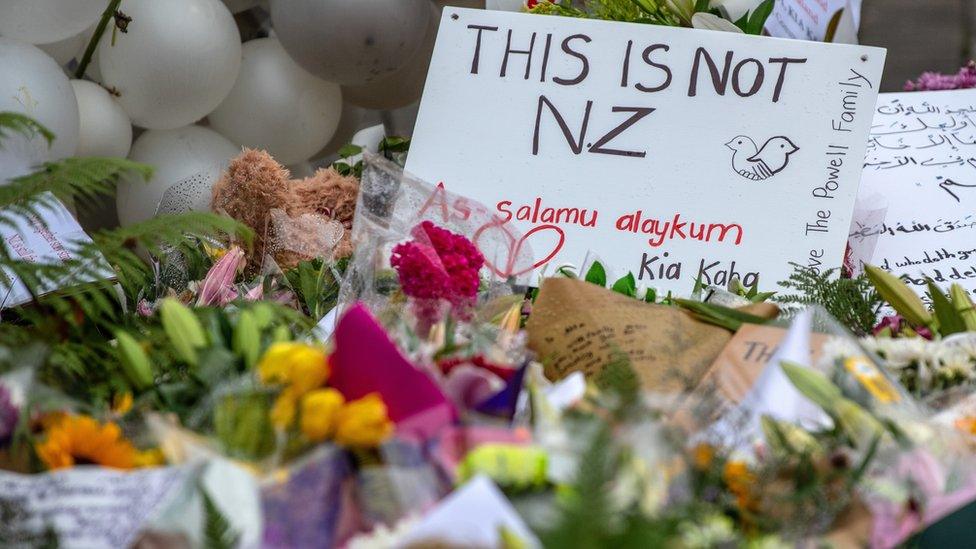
[
  {"x": 597, "y": 275},
  {"x": 626, "y": 285},
  {"x": 757, "y": 20},
  {"x": 349, "y": 150},
  {"x": 725, "y": 317},
  {"x": 950, "y": 321},
  {"x": 650, "y": 296}
]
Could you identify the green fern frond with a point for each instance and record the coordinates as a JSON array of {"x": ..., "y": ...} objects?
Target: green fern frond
[
  {"x": 24, "y": 125},
  {"x": 852, "y": 301},
  {"x": 218, "y": 533},
  {"x": 74, "y": 180}
]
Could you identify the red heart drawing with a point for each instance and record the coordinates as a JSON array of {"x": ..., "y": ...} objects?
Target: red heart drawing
[{"x": 514, "y": 247}]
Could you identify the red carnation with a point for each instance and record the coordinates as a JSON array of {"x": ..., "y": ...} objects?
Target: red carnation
[{"x": 438, "y": 264}]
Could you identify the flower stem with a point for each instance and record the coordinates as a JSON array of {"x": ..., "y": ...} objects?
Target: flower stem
[{"x": 107, "y": 15}]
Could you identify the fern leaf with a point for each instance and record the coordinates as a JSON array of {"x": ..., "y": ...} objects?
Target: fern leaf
[
  {"x": 24, "y": 125},
  {"x": 852, "y": 301},
  {"x": 76, "y": 180},
  {"x": 218, "y": 533}
]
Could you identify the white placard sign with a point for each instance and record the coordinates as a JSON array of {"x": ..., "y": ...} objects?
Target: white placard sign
[
  {"x": 671, "y": 153},
  {"x": 815, "y": 19},
  {"x": 920, "y": 168},
  {"x": 86, "y": 508},
  {"x": 51, "y": 238}
]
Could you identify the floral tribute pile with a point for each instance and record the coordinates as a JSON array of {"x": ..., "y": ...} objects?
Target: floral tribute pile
[{"x": 385, "y": 387}]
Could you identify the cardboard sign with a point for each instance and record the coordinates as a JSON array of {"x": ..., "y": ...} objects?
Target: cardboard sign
[
  {"x": 920, "y": 169},
  {"x": 51, "y": 239},
  {"x": 673, "y": 153},
  {"x": 737, "y": 368},
  {"x": 817, "y": 20}
]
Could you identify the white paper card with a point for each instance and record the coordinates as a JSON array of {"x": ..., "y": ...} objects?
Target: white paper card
[
  {"x": 471, "y": 516},
  {"x": 774, "y": 394},
  {"x": 86, "y": 507},
  {"x": 30, "y": 240},
  {"x": 922, "y": 158},
  {"x": 811, "y": 19},
  {"x": 624, "y": 140}
]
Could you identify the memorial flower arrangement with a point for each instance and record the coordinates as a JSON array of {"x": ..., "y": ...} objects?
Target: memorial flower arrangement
[
  {"x": 315, "y": 362},
  {"x": 213, "y": 357}
]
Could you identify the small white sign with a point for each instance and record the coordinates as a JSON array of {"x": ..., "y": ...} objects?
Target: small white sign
[
  {"x": 672, "y": 153},
  {"x": 816, "y": 20},
  {"x": 920, "y": 169},
  {"x": 53, "y": 237},
  {"x": 86, "y": 507}
]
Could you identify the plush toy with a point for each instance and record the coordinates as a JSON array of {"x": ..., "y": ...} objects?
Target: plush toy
[{"x": 293, "y": 220}]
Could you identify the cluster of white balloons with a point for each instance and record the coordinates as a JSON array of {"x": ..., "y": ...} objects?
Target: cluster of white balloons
[{"x": 195, "y": 93}]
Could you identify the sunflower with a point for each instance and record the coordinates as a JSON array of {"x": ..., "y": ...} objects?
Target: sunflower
[{"x": 81, "y": 440}]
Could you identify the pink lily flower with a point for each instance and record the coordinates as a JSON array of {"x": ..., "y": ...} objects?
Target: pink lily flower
[{"x": 218, "y": 285}]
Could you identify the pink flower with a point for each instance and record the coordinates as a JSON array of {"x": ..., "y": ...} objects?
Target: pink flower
[
  {"x": 933, "y": 81},
  {"x": 895, "y": 325},
  {"x": 438, "y": 264},
  {"x": 891, "y": 323},
  {"x": 143, "y": 308},
  {"x": 218, "y": 285}
]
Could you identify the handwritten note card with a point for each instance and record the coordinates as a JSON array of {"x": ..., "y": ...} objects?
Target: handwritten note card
[
  {"x": 51, "y": 238},
  {"x": 85, "y": 508},
  {"x": 816, "y": 20},
  {"x": 673, "y": 153},
  {"x": 921, "y": 168}
]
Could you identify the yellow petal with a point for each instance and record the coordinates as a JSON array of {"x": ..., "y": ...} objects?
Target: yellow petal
[{"x": 320, "y": 410}]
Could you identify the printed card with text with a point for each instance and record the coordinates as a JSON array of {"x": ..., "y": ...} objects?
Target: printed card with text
[
  {"x": 920, "y": 175},
  {"x": 52, "y": 237},
  {"x": 817, "y": 20},
  {"x": 672, "y": 153}
]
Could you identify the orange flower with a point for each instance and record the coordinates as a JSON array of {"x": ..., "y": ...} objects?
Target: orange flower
[
  {"x": 740, "y": 481},
  {"x": 81, "y": 440},
  {"x": 967, "y": 425},
  {"x": 702, "y": 456}
]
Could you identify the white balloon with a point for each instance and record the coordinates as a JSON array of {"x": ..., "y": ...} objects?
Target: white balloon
[
  {"x": 178, "y": 61},
  {"x": 175, "y": 155},
  {"x": 278, "y": 106},
  {"x": 105, "y": 128},
  {"x": 46, "y": 21},
  {"x": 237, "y": 6},
  {"x": 69, "y": 48},
  {"x": 404, "y": 86},
  {"x": 349, "y": 123},
  {"x": 33, "y": 84},
  {"x": 350, "y": 41}
]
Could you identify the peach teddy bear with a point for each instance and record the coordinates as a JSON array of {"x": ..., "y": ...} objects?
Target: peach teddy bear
[{"x": 292, "y": 220}]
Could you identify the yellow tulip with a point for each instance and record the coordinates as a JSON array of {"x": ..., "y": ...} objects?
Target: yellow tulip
[
  {"x": 283, "y": 410},
  {"x": 363, "y": 423},
  {"x": 303, "y": 367},
  {"x": 320, "y": 411}
]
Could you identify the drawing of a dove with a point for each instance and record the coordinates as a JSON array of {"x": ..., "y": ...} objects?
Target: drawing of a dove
[{"x": 758, "y": 164}]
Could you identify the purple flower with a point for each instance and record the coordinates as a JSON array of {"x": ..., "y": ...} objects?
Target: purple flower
[
  {"x": 933, "y": 81},
  {"x": 218, "y": 285},
  {"x": 8, "y": 416}
]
